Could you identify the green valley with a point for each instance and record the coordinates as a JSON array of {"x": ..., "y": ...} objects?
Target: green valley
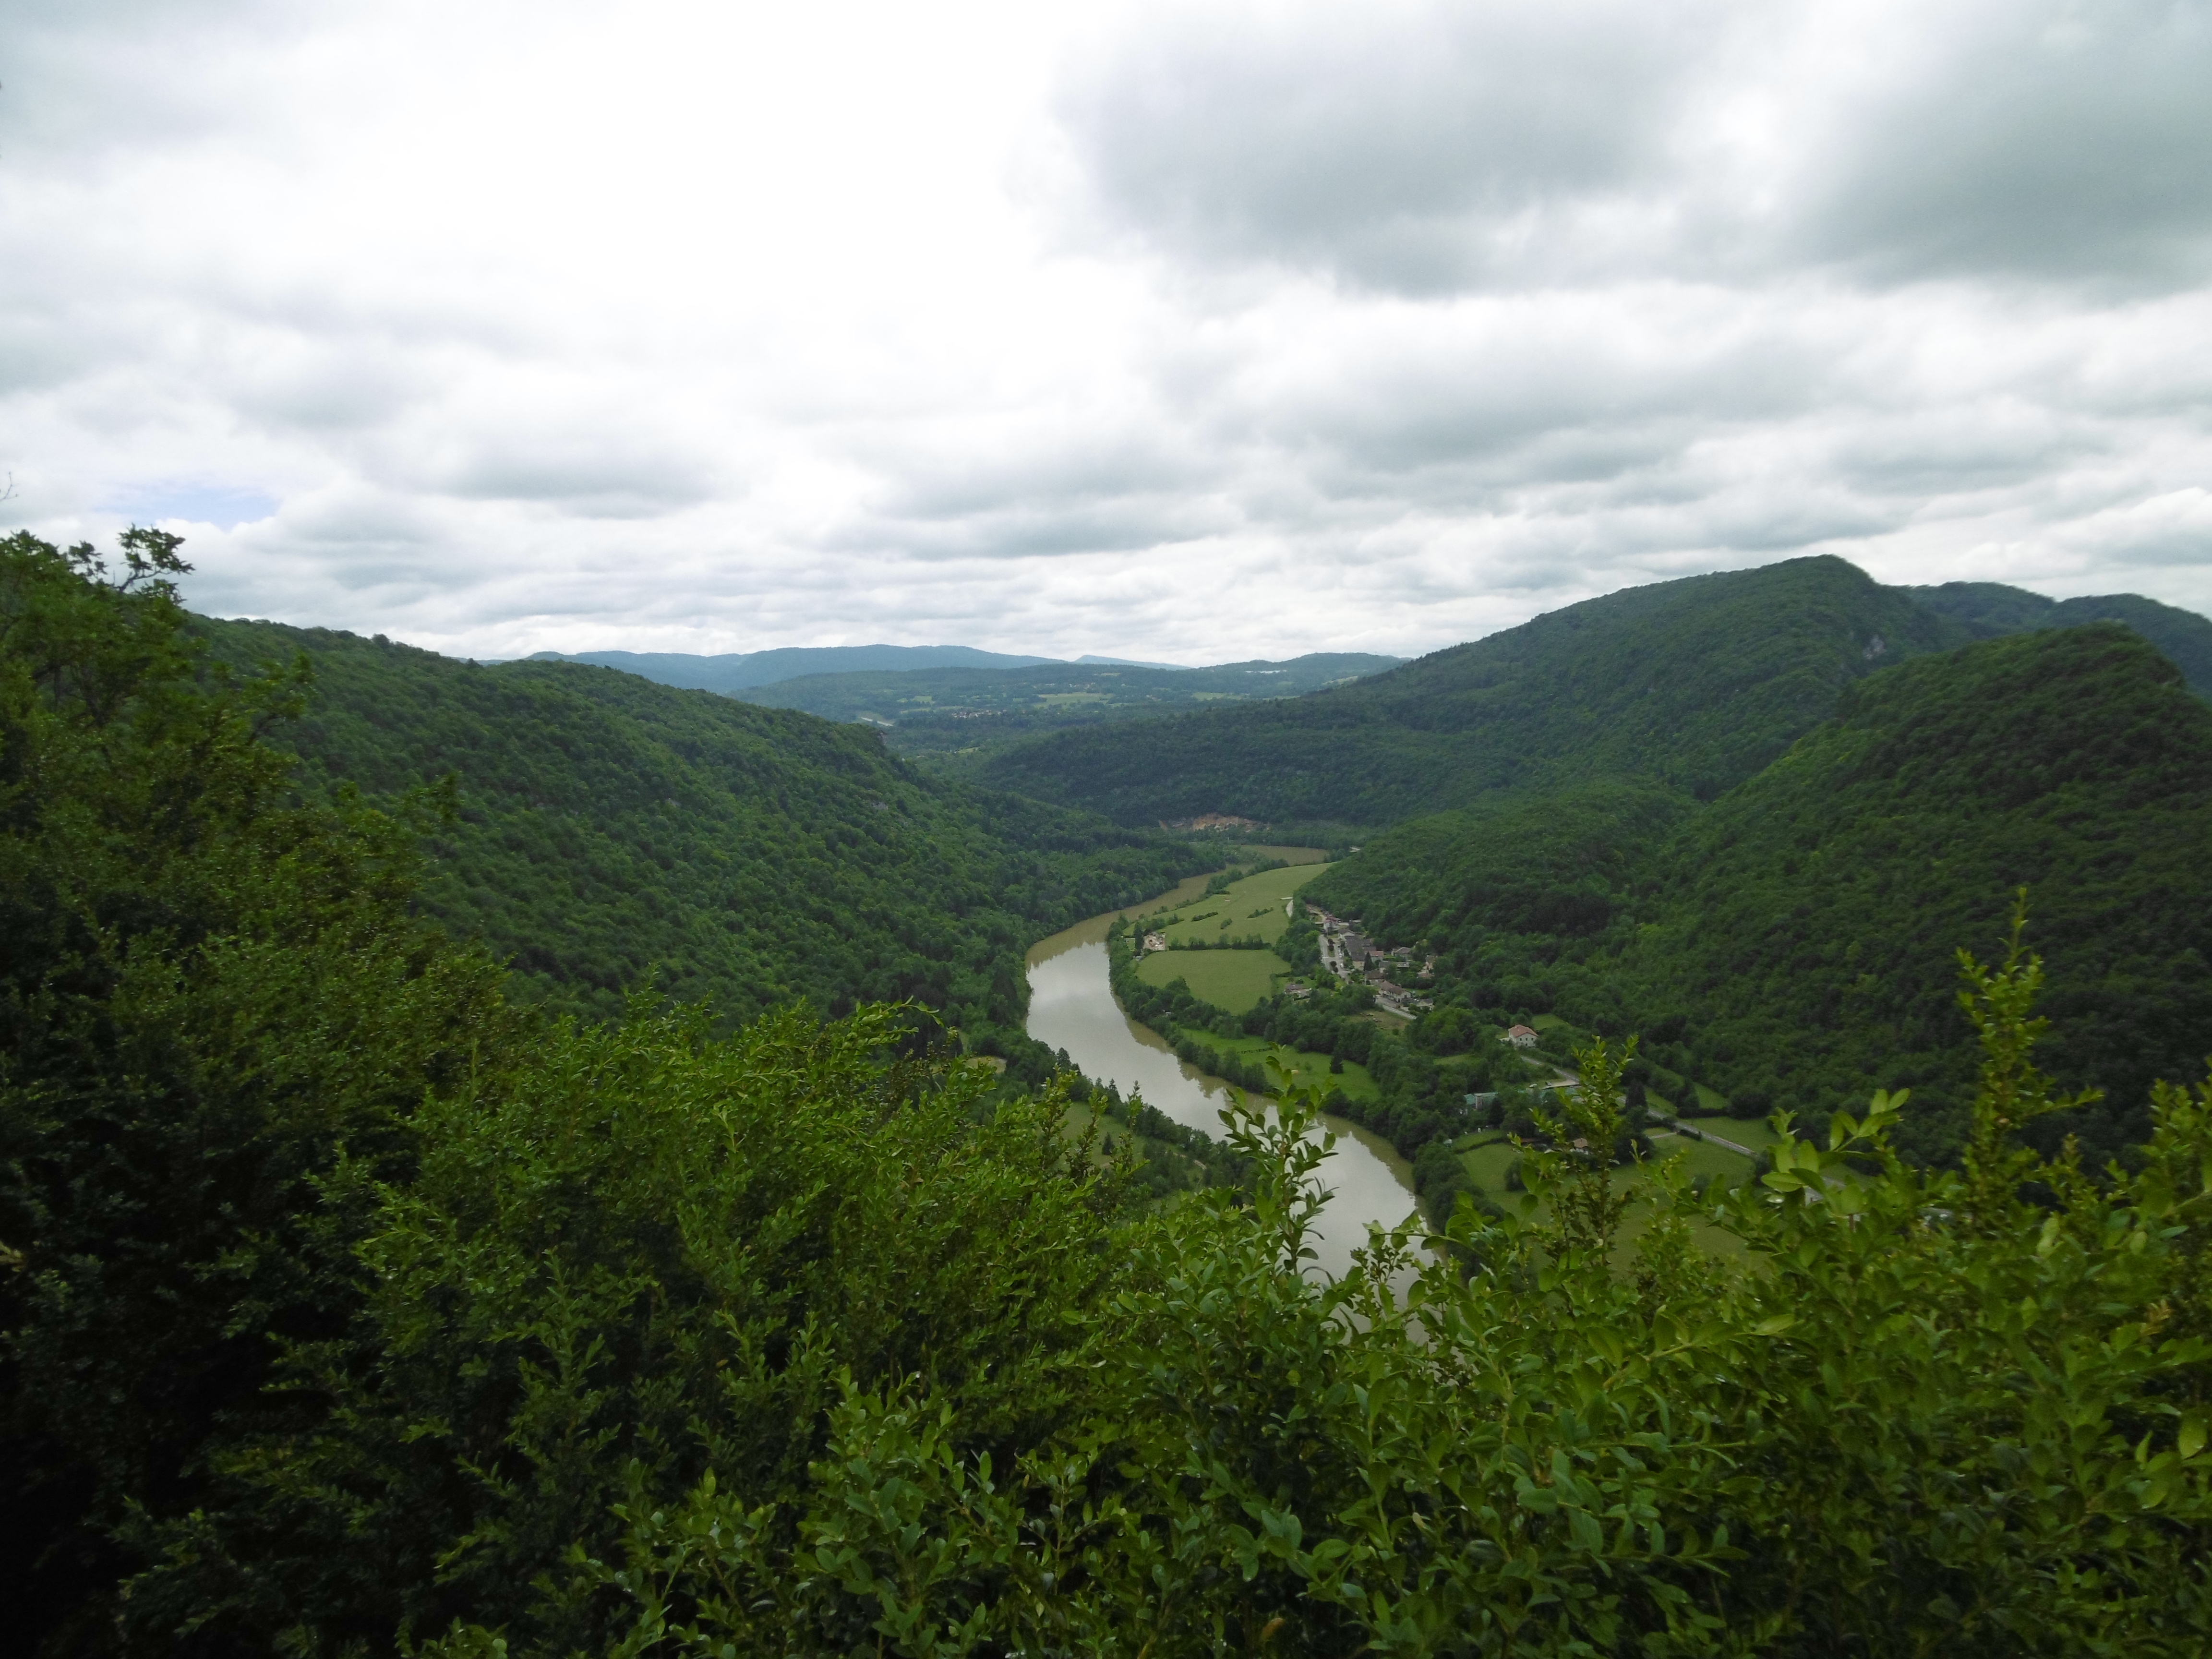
[
  {"x": 606, "y": 833},
  {"x": 1789, "y": 944},
  {"x": 955, "y": 716},
  {"x": 1220, "y": 944},
  {"x": 510, "y": 1161}
]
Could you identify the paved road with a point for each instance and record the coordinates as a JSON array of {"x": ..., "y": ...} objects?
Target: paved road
[{"x": 1706, "y": 1135}]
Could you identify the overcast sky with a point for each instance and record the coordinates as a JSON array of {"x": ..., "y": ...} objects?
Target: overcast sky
[{"x": 1189, "y": 332}]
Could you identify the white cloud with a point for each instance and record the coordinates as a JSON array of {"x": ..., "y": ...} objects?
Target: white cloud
[{"x": 1176, "y": 333}]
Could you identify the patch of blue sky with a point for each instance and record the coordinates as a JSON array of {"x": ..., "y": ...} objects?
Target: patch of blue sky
[{"x": 224, "y": 506}]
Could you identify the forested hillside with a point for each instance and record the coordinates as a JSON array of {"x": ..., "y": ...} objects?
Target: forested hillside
[
  {"x": 609, "y": 832},
  {"x": 1789, "y": 944},
  {"x": 1991, "y": 608},
  {"x": 1563, "y": 866},
  {"x": 1808, "y": 922},
  {"x": 1694, "y": 684}
]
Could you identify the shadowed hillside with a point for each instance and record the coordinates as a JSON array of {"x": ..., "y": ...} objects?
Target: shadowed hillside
[
  {"x": 1694, "y": 683},
  {"x": 1991, "y": 608},
  {"x": 612, "y": 832},
  {"x": 1792, "y": 944},
  {"x": 1808, "y": 919}
]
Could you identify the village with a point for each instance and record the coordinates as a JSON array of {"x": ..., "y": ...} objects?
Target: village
[{"x": 1352, "y": 957}]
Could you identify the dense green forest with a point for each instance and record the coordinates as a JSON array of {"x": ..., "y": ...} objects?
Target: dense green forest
[
  {"x": 608, "y": 832},
  {"x": 1810, "y": 917},
  {"x": 970, "y": 713},
  {"x": 1694, "y": 683},
  {"x": 1789, "y": 943},
  {"x": 1990, "y": 609}
]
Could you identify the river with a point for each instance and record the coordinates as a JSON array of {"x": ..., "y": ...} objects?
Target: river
[{"x": 1072, "y": 1006}]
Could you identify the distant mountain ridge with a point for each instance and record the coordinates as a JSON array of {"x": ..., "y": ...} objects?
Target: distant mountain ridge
[
  {"x": 965, "y": 712},
  {"x": 739, "y": 670},
  {"x": 1695, "y": 683},
  {"x": 1991, "y": 608}
]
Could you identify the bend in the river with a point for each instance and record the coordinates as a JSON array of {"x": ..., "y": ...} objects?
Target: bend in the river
[{"x": 1071, "y": 1007}]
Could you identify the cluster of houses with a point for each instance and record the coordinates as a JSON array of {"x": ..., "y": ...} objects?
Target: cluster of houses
[{"x": 1351, "y": 954}]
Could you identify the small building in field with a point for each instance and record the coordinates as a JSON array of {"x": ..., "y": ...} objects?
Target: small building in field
[{"x": 1521, "y": 1037}]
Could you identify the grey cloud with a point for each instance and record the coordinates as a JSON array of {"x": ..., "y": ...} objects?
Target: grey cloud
[
  {"x": 1043, "y": 528},
  {"x": 2174, "y": 528},
  {"x": 1433, "y": 148},
  {"x": 1921, "y": 455},
  {"x": 2042, "y": 138},
  {"x": 996, "y": 468},
  {"x": 1386, "y": 327},
  {"x": 336, "y": 385},
  {"x": 89, "y": 80},
  {"x": 1405, "y": 148},
  {"x": 592, "y": 473}
]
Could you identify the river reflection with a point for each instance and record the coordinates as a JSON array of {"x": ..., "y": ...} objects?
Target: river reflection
[{"x": 1072, "y": 1006}]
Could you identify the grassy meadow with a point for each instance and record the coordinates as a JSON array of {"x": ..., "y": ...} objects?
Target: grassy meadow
[
  {"x": 1255, "y": 907},
  {"x": 1307, "y": 1067},
  {"x": 1234, "y": 980}
]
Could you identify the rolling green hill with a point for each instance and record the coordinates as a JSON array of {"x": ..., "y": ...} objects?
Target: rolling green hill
[
  {"x": 1807, "y": 921},
  {"x": 611, "y": 830},
  {"x": 944, "y": 712},
  {"x": 1792, "y": 943},
  {"x": 1991, "y": 608},
  {"x": 1694, "y": 683},
  {"x": 1559, "y": 867}
]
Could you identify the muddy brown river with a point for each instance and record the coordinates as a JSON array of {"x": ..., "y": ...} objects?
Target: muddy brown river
[{"x": 1072, "y": 1006}]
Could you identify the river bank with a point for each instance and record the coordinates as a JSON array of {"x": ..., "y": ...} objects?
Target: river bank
[{"x": 1071, "y": 1007}]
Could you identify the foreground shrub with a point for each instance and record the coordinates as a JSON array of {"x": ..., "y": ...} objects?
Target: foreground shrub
[{"x": 1957, "y": 1411}]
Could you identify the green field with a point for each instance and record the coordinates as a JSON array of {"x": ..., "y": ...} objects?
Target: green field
[
  {"x": 1311, "y": 1068},
  {"x": 1754, "y": 1132},
  {"x": 1252, "y": 906},
  {"x": 1487, "y": 1159},
  {"x": 1487, "y": 1155},
  {"x": 1288, "y": 855},
  {"x": 1234, "y": 980},
  {"x": 1702, "y": 1158}
]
